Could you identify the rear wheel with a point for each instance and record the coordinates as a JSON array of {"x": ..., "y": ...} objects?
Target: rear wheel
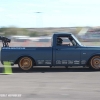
[
  {"x": 25, "y": 63},
  {"x": 95, "y": 62}
]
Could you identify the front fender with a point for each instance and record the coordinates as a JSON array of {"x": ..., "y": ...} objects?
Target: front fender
[{"x": 94, "y": 54}]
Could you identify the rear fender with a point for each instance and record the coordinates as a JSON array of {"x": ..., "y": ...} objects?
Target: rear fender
[{"x": 15, "y": 61}]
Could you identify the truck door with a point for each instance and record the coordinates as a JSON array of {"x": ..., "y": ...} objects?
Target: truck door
[{"x": 67, "y": 53}]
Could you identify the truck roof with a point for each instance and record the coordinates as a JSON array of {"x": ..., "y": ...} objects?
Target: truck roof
[{"x": 62, "y": 33}]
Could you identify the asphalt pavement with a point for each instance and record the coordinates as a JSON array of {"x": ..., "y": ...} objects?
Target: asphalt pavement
[{"x": 50, "y": 84}]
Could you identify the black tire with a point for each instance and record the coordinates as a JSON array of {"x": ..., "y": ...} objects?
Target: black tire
[
  {"x": 25, "y": 63},
  {"x": 95, "y": 62}
]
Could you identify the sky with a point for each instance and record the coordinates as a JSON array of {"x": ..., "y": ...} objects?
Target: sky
[{"x": 49, "y": 13}]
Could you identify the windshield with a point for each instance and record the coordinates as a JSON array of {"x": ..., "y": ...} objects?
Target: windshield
[{"x": 77, "y": 40}]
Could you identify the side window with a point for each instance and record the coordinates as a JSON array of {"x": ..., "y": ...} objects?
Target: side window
[{"x": 64, "y": 41}]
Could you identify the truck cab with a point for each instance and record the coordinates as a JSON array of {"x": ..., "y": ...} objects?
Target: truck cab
[{"x": 66, "y": 49}]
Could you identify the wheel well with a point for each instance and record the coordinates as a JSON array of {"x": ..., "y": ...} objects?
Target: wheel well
[
  {"x": 16, "y": 62},
  {"x": 88, "y": 62}
]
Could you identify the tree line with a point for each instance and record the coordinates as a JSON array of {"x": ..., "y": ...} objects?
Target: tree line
[{"x": 7, "y": 31}]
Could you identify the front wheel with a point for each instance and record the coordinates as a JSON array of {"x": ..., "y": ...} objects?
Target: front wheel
[
  {"x": 25, "y": 63},
  {"x": 95, "y": 62}
]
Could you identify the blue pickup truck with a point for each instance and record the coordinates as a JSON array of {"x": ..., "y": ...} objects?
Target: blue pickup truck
[{"x": 65, "y": 50}]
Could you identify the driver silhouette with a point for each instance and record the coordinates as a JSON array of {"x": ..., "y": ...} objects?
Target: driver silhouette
[{"x": 59, "y": 41}]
